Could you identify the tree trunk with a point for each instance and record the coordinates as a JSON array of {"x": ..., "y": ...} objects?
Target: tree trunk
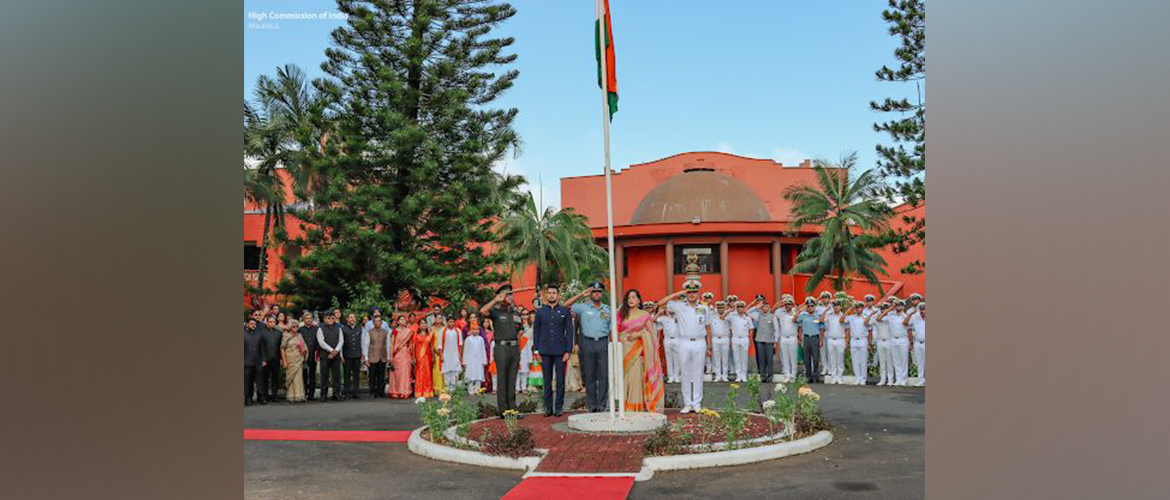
[{"x": 264, "y": 248}]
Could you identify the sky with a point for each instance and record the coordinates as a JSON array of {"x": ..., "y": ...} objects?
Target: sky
[{"x": 780, "y": 79}]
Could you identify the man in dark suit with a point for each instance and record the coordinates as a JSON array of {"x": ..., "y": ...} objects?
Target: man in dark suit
[
  {"x": 351, "y": 351},
  {"x": 253, "y": 359},
  {"x": 329, "y": 343},
  {"x": 308, "y": 331},
  {"x": 270, "y": 380},
  {"x": 552, "y": 340}
]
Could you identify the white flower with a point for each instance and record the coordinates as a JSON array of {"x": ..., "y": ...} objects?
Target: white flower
[
  {"x": 769, "y": 403},
  {"x": 782, "y": 388},
  {"x": 420, "y": 401}
]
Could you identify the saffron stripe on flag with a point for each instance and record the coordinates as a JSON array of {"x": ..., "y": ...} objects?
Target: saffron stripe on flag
[{"x": 341, "y": 436}]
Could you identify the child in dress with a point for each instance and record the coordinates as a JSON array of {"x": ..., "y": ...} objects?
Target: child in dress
[
  {"x": 525, "y": 355},
  {"x": 474, "y": 360}
]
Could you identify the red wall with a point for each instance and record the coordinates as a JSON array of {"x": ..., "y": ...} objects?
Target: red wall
[
  {"x": 748, "y": 271},
  {"x": 647, "y": 271}
]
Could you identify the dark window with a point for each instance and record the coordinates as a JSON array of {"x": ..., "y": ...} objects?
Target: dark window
[
  {"x": 626, "y": 264},
  {"x": 786, "y": 257},
  {"x": 708, "y": 258},
  {"x": 251, "y": 257}
]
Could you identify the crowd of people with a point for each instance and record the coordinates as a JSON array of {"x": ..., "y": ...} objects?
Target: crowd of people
[{"x": 556, "y": 346}]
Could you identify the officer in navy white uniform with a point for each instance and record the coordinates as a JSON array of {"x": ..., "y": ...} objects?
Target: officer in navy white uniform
[{"x": 693, "y": 337}]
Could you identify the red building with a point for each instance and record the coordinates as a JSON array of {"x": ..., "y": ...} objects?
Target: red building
[{"x": 728, "y": 209}]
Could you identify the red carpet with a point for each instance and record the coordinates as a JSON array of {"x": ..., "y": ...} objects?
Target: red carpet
[
  {"x": 592, "y": 488},
  {"x": 347, "y": 436}
]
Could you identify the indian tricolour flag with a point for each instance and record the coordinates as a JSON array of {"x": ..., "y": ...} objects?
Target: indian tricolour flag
[{"x": 604, "y": 25}]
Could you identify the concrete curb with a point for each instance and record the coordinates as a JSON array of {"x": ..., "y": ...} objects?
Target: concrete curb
[
  {"x": 722, "y": 445},
  {"x": 419, "y": 446},
  {"x": 739, "y": 457}
]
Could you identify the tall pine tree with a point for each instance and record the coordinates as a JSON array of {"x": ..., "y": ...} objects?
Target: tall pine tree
[
  {"x": 406, "y": 194},
  {"x": 903, "y": 162}
]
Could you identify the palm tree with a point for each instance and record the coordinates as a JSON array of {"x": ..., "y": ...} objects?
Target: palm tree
[
  {"x": 558, "y": 242},
  {"x": 850, "y": 214},
  {"x": 277, "y": 125}
]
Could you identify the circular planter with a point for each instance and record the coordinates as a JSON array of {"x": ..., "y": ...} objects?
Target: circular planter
[
  {"x": 430, "y": 449},
  {"x": 739, "y": 457}
]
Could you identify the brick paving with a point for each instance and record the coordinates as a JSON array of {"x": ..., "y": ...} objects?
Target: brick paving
[{"x": 577, "y": 452}]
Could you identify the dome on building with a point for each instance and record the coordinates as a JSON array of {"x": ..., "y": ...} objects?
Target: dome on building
[{"x": 702, "y": 194}]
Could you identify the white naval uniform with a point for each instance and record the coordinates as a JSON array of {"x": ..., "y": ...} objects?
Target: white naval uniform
[
  {"x": 741, "y": 326},
  {"x": 899, "y": 346},
  {"x": 720, "y": 346},
  {"x": 918, "y": 323},
  {"x": 881, "y": 332},
  {"x": 858, "y": 347},
  {"x": 706, "y": 311},
  {"x": 817, "y": 310},
  {"x": 788, "y": 341},
  {"x": 670, "y": 345},
  {"x": 835, "y": 344},
  {"x": 692, "y": 347}
]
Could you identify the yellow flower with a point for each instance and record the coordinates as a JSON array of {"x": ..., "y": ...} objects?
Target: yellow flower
[
  {"x": 444, "y": 397},
  {"x": 443, "y": 411},
  {"x": 481, "y": 390},
  {"x": 734, "y": 386},
  {"x": 511, "y": 413},
  {"x": 709, "y": 412}
]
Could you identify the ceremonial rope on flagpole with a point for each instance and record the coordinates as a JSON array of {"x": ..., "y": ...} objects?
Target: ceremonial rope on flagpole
[{"x": 616, "y": 385}]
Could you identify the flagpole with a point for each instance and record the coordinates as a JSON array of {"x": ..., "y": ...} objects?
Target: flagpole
[{"x": 615, "y": 385}]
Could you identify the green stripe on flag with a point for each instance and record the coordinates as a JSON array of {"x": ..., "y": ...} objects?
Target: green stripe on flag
[{"x": 612, "y": 97}]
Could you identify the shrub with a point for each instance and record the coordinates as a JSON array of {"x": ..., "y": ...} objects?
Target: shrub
[
  {"x": 509, "y": 444},
  {"x": 462, "y": 411},
  {"x": 812, "y": 423},
  {"x": 667, "y": 440},
  {"x": 436, "y": 415},
  {"x": 516, "y": 442},
  {"x": 579, "y": 404},
  {"x": 486, "y": 410},
  {"x": 672, "y": 399},
  {"x": 753, "y": 388},
  {"x": 733, "y": 418},
  {"x": 530, "y": 403}
]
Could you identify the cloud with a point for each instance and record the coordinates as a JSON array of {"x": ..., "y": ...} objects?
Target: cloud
[{"x": 547, "y": 196}]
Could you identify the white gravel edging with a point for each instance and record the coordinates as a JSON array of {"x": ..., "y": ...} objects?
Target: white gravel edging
[
  {"x": 420, "y": 446},
  {"x": 740, "y": 457}
]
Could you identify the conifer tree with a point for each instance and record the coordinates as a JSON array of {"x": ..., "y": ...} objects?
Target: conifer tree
[
  {"x": 406, "y": 193},
  {"x": 902, "y": 162}
]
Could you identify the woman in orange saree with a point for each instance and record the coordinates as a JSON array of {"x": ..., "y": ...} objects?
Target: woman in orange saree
[
  {"x": 401, "y": 355},
  {"x": 643, "y": 372},
  {"x": 423, "y": 356}
]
